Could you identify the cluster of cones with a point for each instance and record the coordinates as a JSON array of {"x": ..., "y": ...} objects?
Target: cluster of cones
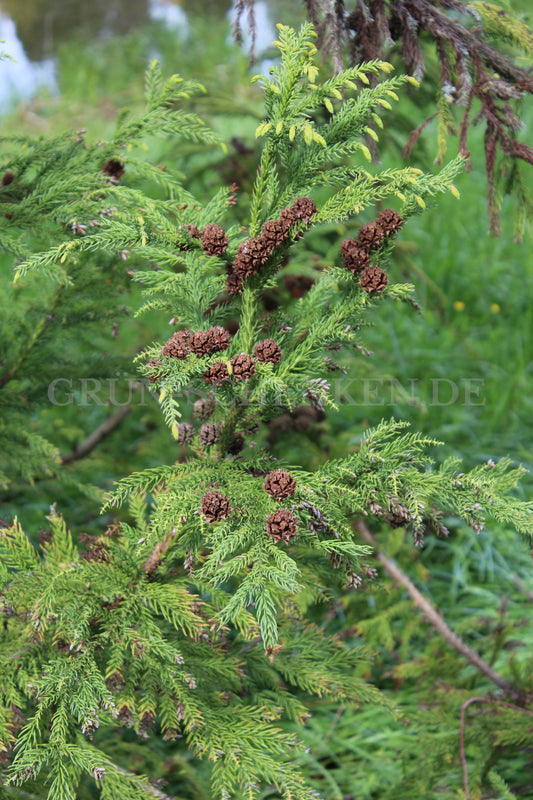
[
  {"x": 281, "y": 525},
  {"x": 209, "y": 432},
  {"x": 356, "y": 253},
  {"x": 253, "y": 253},
  {"x": 241, "y": 367}
]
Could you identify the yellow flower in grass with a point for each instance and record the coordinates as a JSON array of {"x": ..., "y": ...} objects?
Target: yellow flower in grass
[
  {"x": 459, "y": 305},
  {"x": 495, "y": 308}
]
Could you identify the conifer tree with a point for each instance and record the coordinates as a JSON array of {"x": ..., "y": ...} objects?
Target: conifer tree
[{"x": 192, "y": 620}]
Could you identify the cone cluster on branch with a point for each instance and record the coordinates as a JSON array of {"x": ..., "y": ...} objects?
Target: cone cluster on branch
[
  {"x": 201, "y": 343},
  {"x": 253, "y": 253},
  {"x": 356, "y": 253}
]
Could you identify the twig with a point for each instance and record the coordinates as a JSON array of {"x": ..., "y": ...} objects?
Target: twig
[
  {"x": 145, "y": 784},
  {"x": 438, "y": 622},
  {"x": 36, "y": 335},
  {"x": 101, "y": 432},
  {"x": 521, "y": 586},
  {"x": 491, "y": 701},
  {"x": 155, "y": 557}
]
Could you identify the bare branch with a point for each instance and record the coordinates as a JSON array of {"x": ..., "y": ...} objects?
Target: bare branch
[
  {"x": 98, "y": 435},
  {"x": 433, "y": 616}
]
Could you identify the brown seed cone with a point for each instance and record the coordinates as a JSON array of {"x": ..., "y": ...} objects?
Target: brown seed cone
[
  {"x": 216, "y": 373},
  {"x": 281, "y": 525},
  {"x": 236, "y": 445},
  {"x": 251, "y": 256},
  {"x": 355, "y": 257},
  {"x": 200, "y": 343},
  {"x": 275, "y": 232},
  {"x": 390, "y": 221},
  {"x": 370, "y": 235},
  {"x": 279, "y": 484},
  {"x": 8, "y": 178},
  {"x": 156, "y": 371},
  {"x": 398, "y": 516},
  {"x": 297, "y": 285},
  {"x": 234, "y": 284},
  {"x": 219, "y": 339},
  {"x": 185, "y": 433},
  {"x": 268, "y": 350},
  {"x": 215, "y": 506},
  {"x": 214, "y": 240},
  {"x": 243, "y": 367},
  {"x": 287, "y": 217},
  {"x": 208, "y": 433},
  {"x": 178, "y": 346},
  {"x": 204, "y": 407},
  {"x": 304, "y": 209},
  {"x": 373, "y": 279},
  {"x": 193, "y": 231},
  {"x": 114, "y": 168}
]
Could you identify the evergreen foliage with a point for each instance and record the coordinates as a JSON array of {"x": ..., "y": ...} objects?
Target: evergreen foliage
[
  {"x": 198, "y": 614},
  {"x": 477, "y": 57}
]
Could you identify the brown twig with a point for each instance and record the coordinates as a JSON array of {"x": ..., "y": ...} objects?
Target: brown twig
[
  {"x": 433, "y": 616},
  {"x": 464, "y": 707},
  {"x": 99, "y": 434},
  {"x": 155, "y": 557}
]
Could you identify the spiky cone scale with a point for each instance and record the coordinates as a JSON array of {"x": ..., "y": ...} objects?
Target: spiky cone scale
[
  {"x": 275, "y": 232},
  {"x": 193, "y": 231},
  {"x": 179, "y": 345},
  {"x": 203, "y": 408},
  {"x": 279, "y": 484},
  {"x": 219, "y": 339},
  {"x": 370, "y": 235},
  {"x": 303, "y": 210},
  {"x": 208, "y": 434},
  {"x": 214, "y": 239},
  {"x": 200, "y": 343},
  {"x": 390, "y": 221},
  {"x": 217, "y": 373},
  {"x": 185, "y": 433},
  {"x": 234, "y": 285},
  {"x": 373, "y": 279},
  {"x": 251, "y": 256},
  {"x": 268, "y": 351},
  {"x": 354, "y": 257},
  {"x": 281, "y": 525},
  {"x": 215, "y": 506},
  {"x": 242, "y": 366}
]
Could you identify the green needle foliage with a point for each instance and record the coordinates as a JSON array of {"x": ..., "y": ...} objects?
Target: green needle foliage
[{"x": 192, "y": 621}]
